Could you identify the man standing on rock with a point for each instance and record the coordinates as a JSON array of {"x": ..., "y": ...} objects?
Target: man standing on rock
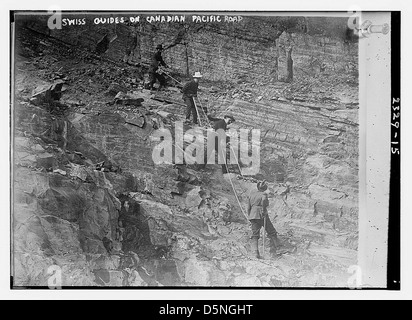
[
  {"x": 189, "y": 91},
  {"x": 157, "y": 60},
  {"x": 258, "y": 216}
]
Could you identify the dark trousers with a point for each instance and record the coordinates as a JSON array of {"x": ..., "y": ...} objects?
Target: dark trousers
[
  {"x": 224, "y": 166},
  {"x": 216, "y": 146},
  {"x": 155, "y": 76},
  {"x": 258, "y": 223},
  {"x": 190, "y": 109}
]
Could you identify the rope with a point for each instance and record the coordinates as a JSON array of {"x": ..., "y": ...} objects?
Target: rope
[
  {"x": 198, "y": 116},
  {"x": 171, "y": 77},
  {"x": 237, "y": 162},
  {"x": 233, "y": 187}
]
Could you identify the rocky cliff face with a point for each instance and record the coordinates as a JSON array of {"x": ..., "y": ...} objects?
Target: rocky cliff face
[{"x": 89, "y": 201}]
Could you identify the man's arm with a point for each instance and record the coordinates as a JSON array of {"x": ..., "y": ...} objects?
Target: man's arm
[{"x": 161, "y": 61}]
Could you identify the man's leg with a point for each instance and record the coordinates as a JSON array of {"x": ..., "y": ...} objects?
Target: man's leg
[
  {"x": 194, "y": 113},
  {"x": 224, "y": 170},
  {"x": 188, "y": 102},
  {"x": 217, "y": 141},
  {"x": 256, "y": 224},
  {"x": 273, "y": 236},
  {"x": 226, "y": 152},
  {"x": 161, "y": 79},
  {"x": 152, "y": 78}
]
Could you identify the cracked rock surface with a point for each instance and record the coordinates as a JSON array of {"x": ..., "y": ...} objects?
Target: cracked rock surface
[{"x": 88, "y": 199}]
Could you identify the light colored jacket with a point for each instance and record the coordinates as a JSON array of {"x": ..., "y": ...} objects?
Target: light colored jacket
[{"x": 257, "y": 204}]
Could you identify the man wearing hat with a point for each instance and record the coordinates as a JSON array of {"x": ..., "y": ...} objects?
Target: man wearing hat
[
  {"x": 154, "y": 66},
  {"x": 189, "y": 91},
  {"x": 258, "y": 216}
]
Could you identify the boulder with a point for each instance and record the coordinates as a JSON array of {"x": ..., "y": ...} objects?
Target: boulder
[
  {"x": 75, "y": 272},
  {"x": 115, "y": 88},
  {"x": 128, "y": 99},
  {"x": 202, "y": 273},
  {"x": 159, "y": 233},
  {"x": 25, "y": 158},
  {"x": 157, "y": 215},
  {"x": 60, "y": 171},
  {"x": 61, "y": 234},
  {"x": 46, "y": 160},
  {"x": 194, "y": 199},
  {"x": 48, "y": 93},
  {"x": 138, "y": 121},
  {"x": 109, "y": 278},
  {"x": 135, "y": 280},
  {"x": 78, "y": 171},
  {"x": 104, "y": 262},
  {"x": 30, "y": 269}
]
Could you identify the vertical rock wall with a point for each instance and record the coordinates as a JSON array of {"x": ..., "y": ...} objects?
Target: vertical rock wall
[{"x": 253, "y": 50}]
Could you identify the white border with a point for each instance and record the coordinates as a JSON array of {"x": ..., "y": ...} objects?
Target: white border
[{"x": 291, "y": 5}]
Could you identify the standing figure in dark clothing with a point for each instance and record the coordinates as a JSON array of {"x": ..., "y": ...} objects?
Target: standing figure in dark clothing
[
  {"x": 258, "y": 216},
  {"x": 189, "y": 91},
  {"x": 221, "y": 124},
  {"x": 157, "y": 61}
]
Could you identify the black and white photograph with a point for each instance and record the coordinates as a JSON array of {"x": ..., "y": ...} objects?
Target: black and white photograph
[{"x": 200, "y": 149}]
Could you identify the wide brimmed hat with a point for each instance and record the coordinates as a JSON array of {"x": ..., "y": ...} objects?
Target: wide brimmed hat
[{"x": 197, "y": 75}]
